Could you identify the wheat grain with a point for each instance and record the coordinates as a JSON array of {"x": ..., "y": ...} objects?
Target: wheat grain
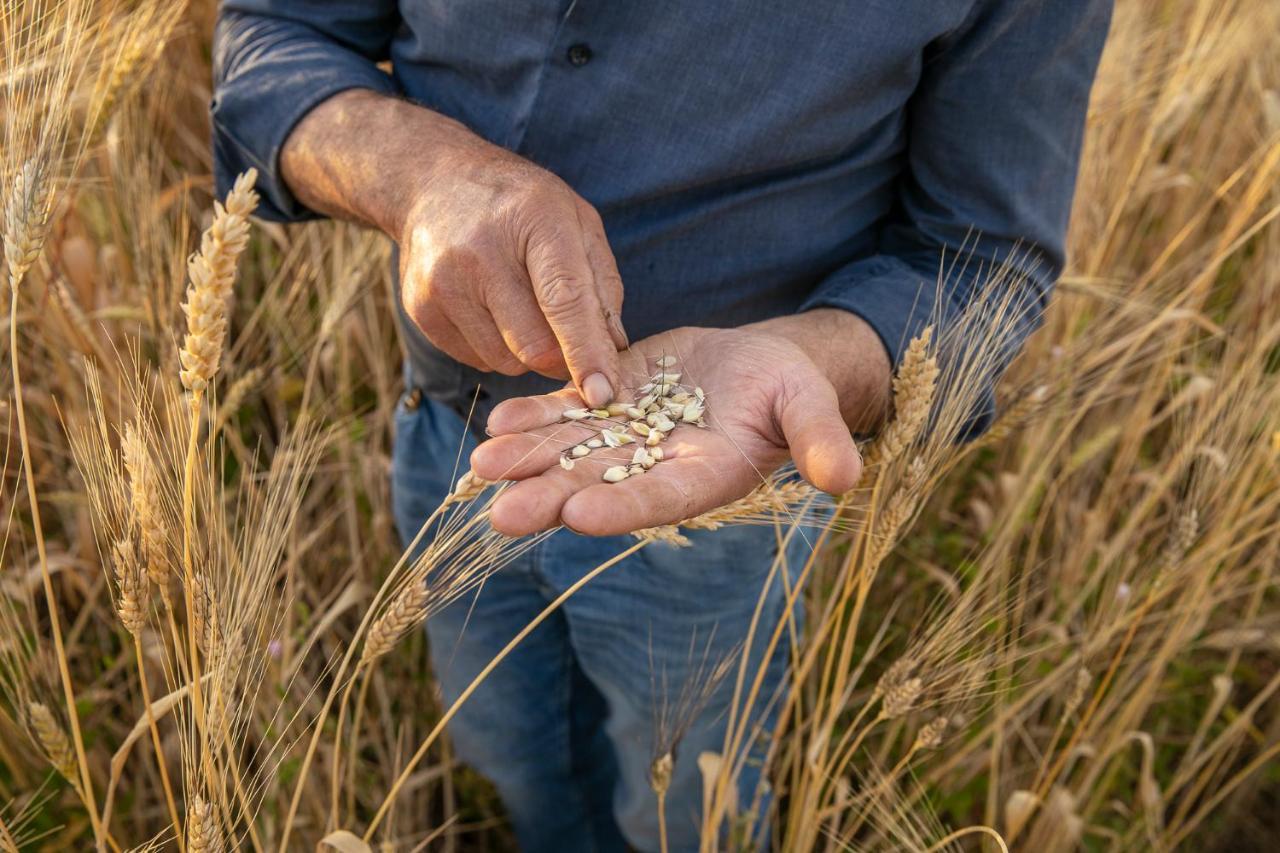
[
  {"x": 1017, "y": 811},
  {"x": 212, "y": 272},
  {"x": 664, "y": 404}
]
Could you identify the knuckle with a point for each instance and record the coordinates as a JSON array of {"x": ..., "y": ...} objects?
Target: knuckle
[
  {"x": 543, "y": 358},
  {"x": 610, "y": 284},
  {"x": 509, "y": 366},
  {"x": 561, "y": 293}
]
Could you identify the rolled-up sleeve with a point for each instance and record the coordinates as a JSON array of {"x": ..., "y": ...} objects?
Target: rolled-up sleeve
[
  {"x": 275, "y": 60},
  {"x": 995, "y": 128}
]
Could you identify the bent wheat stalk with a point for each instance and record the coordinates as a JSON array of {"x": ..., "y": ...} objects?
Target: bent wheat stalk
[{"x": 26, "y": 216}]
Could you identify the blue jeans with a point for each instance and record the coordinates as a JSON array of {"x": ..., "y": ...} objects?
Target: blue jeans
[{"x": 566, "y": 726}]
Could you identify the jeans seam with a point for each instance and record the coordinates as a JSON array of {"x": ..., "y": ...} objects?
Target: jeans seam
[{"x": 566, "y": 699}]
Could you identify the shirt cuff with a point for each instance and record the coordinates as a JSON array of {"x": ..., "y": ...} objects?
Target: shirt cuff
[{"x": 271, "y": 74}]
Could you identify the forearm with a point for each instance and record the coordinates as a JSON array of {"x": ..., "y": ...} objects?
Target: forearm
[
  {"x": 849, "y": 353},
  {"x": 364, "y": 156}
]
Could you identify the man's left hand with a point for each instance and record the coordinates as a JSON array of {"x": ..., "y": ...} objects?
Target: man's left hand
[{"x": 774, "y": 391}]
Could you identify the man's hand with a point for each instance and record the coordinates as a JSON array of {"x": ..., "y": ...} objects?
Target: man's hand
[
  {"x": 769, "y": 398},
  {"x": 502, "y": 265}
]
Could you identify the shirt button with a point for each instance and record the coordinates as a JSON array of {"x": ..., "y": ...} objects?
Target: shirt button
[{"x": 579, "y": 55}]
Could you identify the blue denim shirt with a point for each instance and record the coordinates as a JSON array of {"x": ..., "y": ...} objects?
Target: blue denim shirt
[{"x": 749, "y": 158}]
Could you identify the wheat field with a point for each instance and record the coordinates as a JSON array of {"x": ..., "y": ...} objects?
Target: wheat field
[{"x": 1063, "y": 635}]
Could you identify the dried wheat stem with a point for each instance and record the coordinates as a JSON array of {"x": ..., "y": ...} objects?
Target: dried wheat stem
[
  {"x": 212, "y": 273},
  {"x": 157, "y": 746}
]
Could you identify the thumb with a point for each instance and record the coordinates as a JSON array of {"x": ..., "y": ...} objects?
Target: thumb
[
  {"x": 820, "y": 441},
  {"x": 564, "y": 285}
]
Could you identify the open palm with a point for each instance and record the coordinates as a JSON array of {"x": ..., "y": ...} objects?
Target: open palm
[{"x": 765, "y": 403}]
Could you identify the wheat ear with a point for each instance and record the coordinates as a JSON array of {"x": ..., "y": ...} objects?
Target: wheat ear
[
  {"x": 212, "y": 272},
  {"x": 26, "y": 215},
  {"x": 468, "y": 487},
  {"x": 203, "y": 834},
  {"x": 130, "y": 588},
  {"x": 913, "y": 389},
  {"x": 53, "y": 740},
  {"x": 144, "y": 503},
  {"x": 230, "y": 404},
  {"x": 406, "y": 610}
]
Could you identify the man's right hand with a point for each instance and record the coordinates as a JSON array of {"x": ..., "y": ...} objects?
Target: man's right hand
[{"x": 502, "y": 265}]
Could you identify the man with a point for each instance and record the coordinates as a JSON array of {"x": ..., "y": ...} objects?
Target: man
[{"x": 777, "y": 186}]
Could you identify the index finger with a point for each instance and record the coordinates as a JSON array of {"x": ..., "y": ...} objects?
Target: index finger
[{"x": 564, "y": 285}]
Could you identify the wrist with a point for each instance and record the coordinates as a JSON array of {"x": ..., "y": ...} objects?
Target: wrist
[
  {"x": 370, "y": 157},
  {"x": 849, "y": 353}
]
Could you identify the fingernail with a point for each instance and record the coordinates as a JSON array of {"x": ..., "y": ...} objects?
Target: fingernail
[{"x": 597, "y": 391}]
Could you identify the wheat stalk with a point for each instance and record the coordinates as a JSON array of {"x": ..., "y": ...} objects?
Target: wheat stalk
[{"x": 26, "y": 216}]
